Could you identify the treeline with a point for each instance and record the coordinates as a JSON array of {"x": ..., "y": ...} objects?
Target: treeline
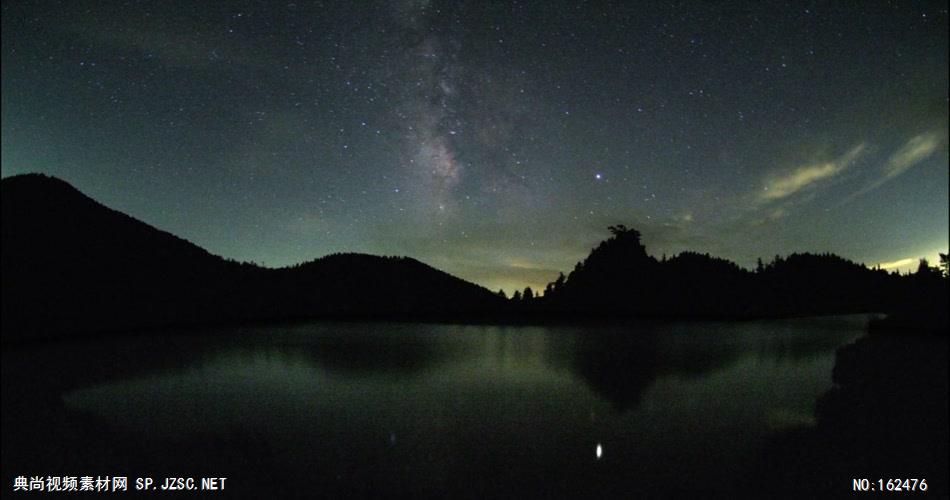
[
  {"x": 619, "y": 278},
  {"x": 71, "y": 265}
]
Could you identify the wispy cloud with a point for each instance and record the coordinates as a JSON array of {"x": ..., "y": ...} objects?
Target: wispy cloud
[
  {"x": 806, "y": 176},
  {"x": 918, "y": 149},
  {"x": 178, "y": 47},
  {"x": 914, "y": 151}
]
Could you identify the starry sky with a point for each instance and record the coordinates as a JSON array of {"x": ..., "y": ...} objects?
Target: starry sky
[{"x": 493, "y": 140}]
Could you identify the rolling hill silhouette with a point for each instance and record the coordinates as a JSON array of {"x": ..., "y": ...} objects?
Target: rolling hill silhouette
[{"x": 70, "y": 264}]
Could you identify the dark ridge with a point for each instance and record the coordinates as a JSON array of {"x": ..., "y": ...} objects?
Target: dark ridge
[
  {"x": 619, "y": 279},
  {"x": 71, "y": 265},
  {"x": 885, "y": 417}
]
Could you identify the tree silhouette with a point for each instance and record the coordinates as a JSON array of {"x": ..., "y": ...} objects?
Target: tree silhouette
[
  {"x": 925, "y": 269},
  {"x": 152, "y": 278}
]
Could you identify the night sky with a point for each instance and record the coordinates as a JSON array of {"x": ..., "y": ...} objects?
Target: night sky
[{"x": 495, "y": 141}]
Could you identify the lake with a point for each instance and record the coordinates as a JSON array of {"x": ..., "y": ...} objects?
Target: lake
[{"x": 646, "y": 408}]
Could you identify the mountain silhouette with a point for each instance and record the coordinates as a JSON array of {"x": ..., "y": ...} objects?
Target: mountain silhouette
[
  {"x": 70, "y": 264},
  {"x": 376, "y": 286}
]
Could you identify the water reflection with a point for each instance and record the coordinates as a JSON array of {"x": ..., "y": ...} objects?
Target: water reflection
[
  {"x": 352, "y": 362},
  {"x": 387, "y": 405}
]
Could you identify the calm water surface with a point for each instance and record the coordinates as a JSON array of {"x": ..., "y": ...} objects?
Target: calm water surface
[{"x": 381, "y": 408}]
